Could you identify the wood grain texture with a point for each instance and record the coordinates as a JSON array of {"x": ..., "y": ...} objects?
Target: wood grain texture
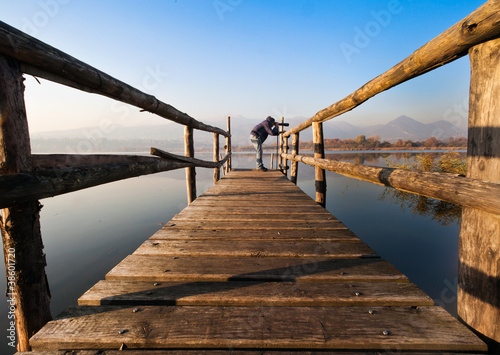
[
  {"x": 108, "y": 327},
  {"x": 252, "y": 293},
  {"x": 479, "y": 247},
  {"x": 170, "y": 268},
  {"x": 465, "y": 191},
  {"x": 25, "y": 187},
  {"x": 27, "y": 288},
  {"x": 242, "y": 276},
  {"x": 261, "y": 248},
  {"x": 249, "y": 225},
  {"x": 334, "y": 234}
]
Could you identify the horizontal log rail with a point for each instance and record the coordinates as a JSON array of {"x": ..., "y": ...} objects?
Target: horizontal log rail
[
  {"x": 57, "y": 174},
  {"x": 452, "y": 188},
  {"x": 40, "y": 59},
  {"x": 57, "y": 161},
  {"x": 196, "y": 162},
  {"x": 480, "y": 26},
  {"x": 24, "y": 187}
]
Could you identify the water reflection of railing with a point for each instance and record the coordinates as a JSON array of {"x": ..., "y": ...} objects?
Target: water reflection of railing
[
  {"x": 26, "y": 178},
  {"x": 478, "y": 192}
]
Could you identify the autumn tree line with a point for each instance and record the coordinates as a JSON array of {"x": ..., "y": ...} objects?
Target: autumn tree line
[{"x": 373, "y": 143}]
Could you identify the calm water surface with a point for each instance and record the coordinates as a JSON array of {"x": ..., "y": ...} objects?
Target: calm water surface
[{"x": 86, "y": 233}]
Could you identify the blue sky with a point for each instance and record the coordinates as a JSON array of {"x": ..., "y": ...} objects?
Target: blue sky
[{"x": 214, "y": 58}]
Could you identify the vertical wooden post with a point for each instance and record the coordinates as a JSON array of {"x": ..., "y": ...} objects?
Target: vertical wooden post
[
  {"x": 216, "y": 157},
  {"x": 319, "y": 152},
  {"x": 295, "y": 164},
  {"x": 479, "y": 246},
  {"x": 28, "y": 294},
  {"x": 272, "y": 161},
  {"x": 285, "y": 161},
  {"x": 190, "y": 172},
  {"x": 228, "y": 145},
  {"x": 281, "y": 146}
]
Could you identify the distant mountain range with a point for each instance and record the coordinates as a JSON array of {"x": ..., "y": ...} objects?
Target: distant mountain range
[
  {"x": 170, "y": 135},
  {"x": 403, "y": 127}
]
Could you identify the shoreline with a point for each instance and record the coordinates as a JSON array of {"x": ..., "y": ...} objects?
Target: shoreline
[{"x": 249, "y": 149}]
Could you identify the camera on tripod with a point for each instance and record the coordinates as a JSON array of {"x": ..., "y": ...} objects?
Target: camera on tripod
[{"x": 283, "y": 124}]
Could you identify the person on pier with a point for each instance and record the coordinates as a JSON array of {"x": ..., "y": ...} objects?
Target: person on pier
[{"x": 259, "y": 134}]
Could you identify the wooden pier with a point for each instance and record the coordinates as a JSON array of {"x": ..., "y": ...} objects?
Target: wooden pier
[{"x": 255, "y": 265}]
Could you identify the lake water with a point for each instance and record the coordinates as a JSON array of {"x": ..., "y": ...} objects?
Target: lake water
[{"x": 86, "y": 233}]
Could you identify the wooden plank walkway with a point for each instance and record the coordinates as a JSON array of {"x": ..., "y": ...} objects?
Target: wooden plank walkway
[{"x": 254, "y": 264}]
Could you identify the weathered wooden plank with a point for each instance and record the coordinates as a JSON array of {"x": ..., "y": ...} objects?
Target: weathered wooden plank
[
  {"x": 248, "y": 202},
  {"x": 251, "y": 293},
  {"x": 255, "y": 248},
  {"x": 338, "y": 234},
  {"x": 227, "y": 214},
  {"x": 261, "y": 225},
  {"x": 185, "y": 268},
  {"x": 261, "y": 196},
  {"x": 108, "y": 327},
  {"x": 302, "y": 210},
  {"x": 256, "y": 185}
]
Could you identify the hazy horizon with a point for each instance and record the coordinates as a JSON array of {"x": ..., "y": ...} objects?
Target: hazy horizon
[{"x": 252, "y": 58}]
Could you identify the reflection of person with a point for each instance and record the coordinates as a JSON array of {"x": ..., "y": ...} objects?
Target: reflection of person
[{"x": 259, "y": 134}]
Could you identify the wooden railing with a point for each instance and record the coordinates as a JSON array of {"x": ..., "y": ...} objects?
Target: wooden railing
[
  {"x": 26, "y": 178},
  {"x": 41, "y": 60},
  {"x": 479, "y": 192}
]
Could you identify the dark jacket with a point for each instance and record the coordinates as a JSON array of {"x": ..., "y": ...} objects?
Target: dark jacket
[{"x": 265, "y": 128}]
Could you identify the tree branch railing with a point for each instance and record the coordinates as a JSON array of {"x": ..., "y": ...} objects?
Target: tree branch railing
[
  {"x": 480, "y": 26},
  {"x": 42, "y": 60},
  {"x": 453, "y": 188}
]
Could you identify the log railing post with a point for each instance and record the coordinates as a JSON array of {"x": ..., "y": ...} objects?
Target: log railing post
[
  {"x": 216, "y": 157},
  {"x": 319, "y": 152},
  {"x": 285, "y": 150},
  {"x": 295, "y": 164},
  {"x": 228, "y": 145},
  {"x": 190, "y": 172},
  {"x": 479, "y": 247},
  {"x": 280, "y": 158},
  {"x": 28, "y": 294}
]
